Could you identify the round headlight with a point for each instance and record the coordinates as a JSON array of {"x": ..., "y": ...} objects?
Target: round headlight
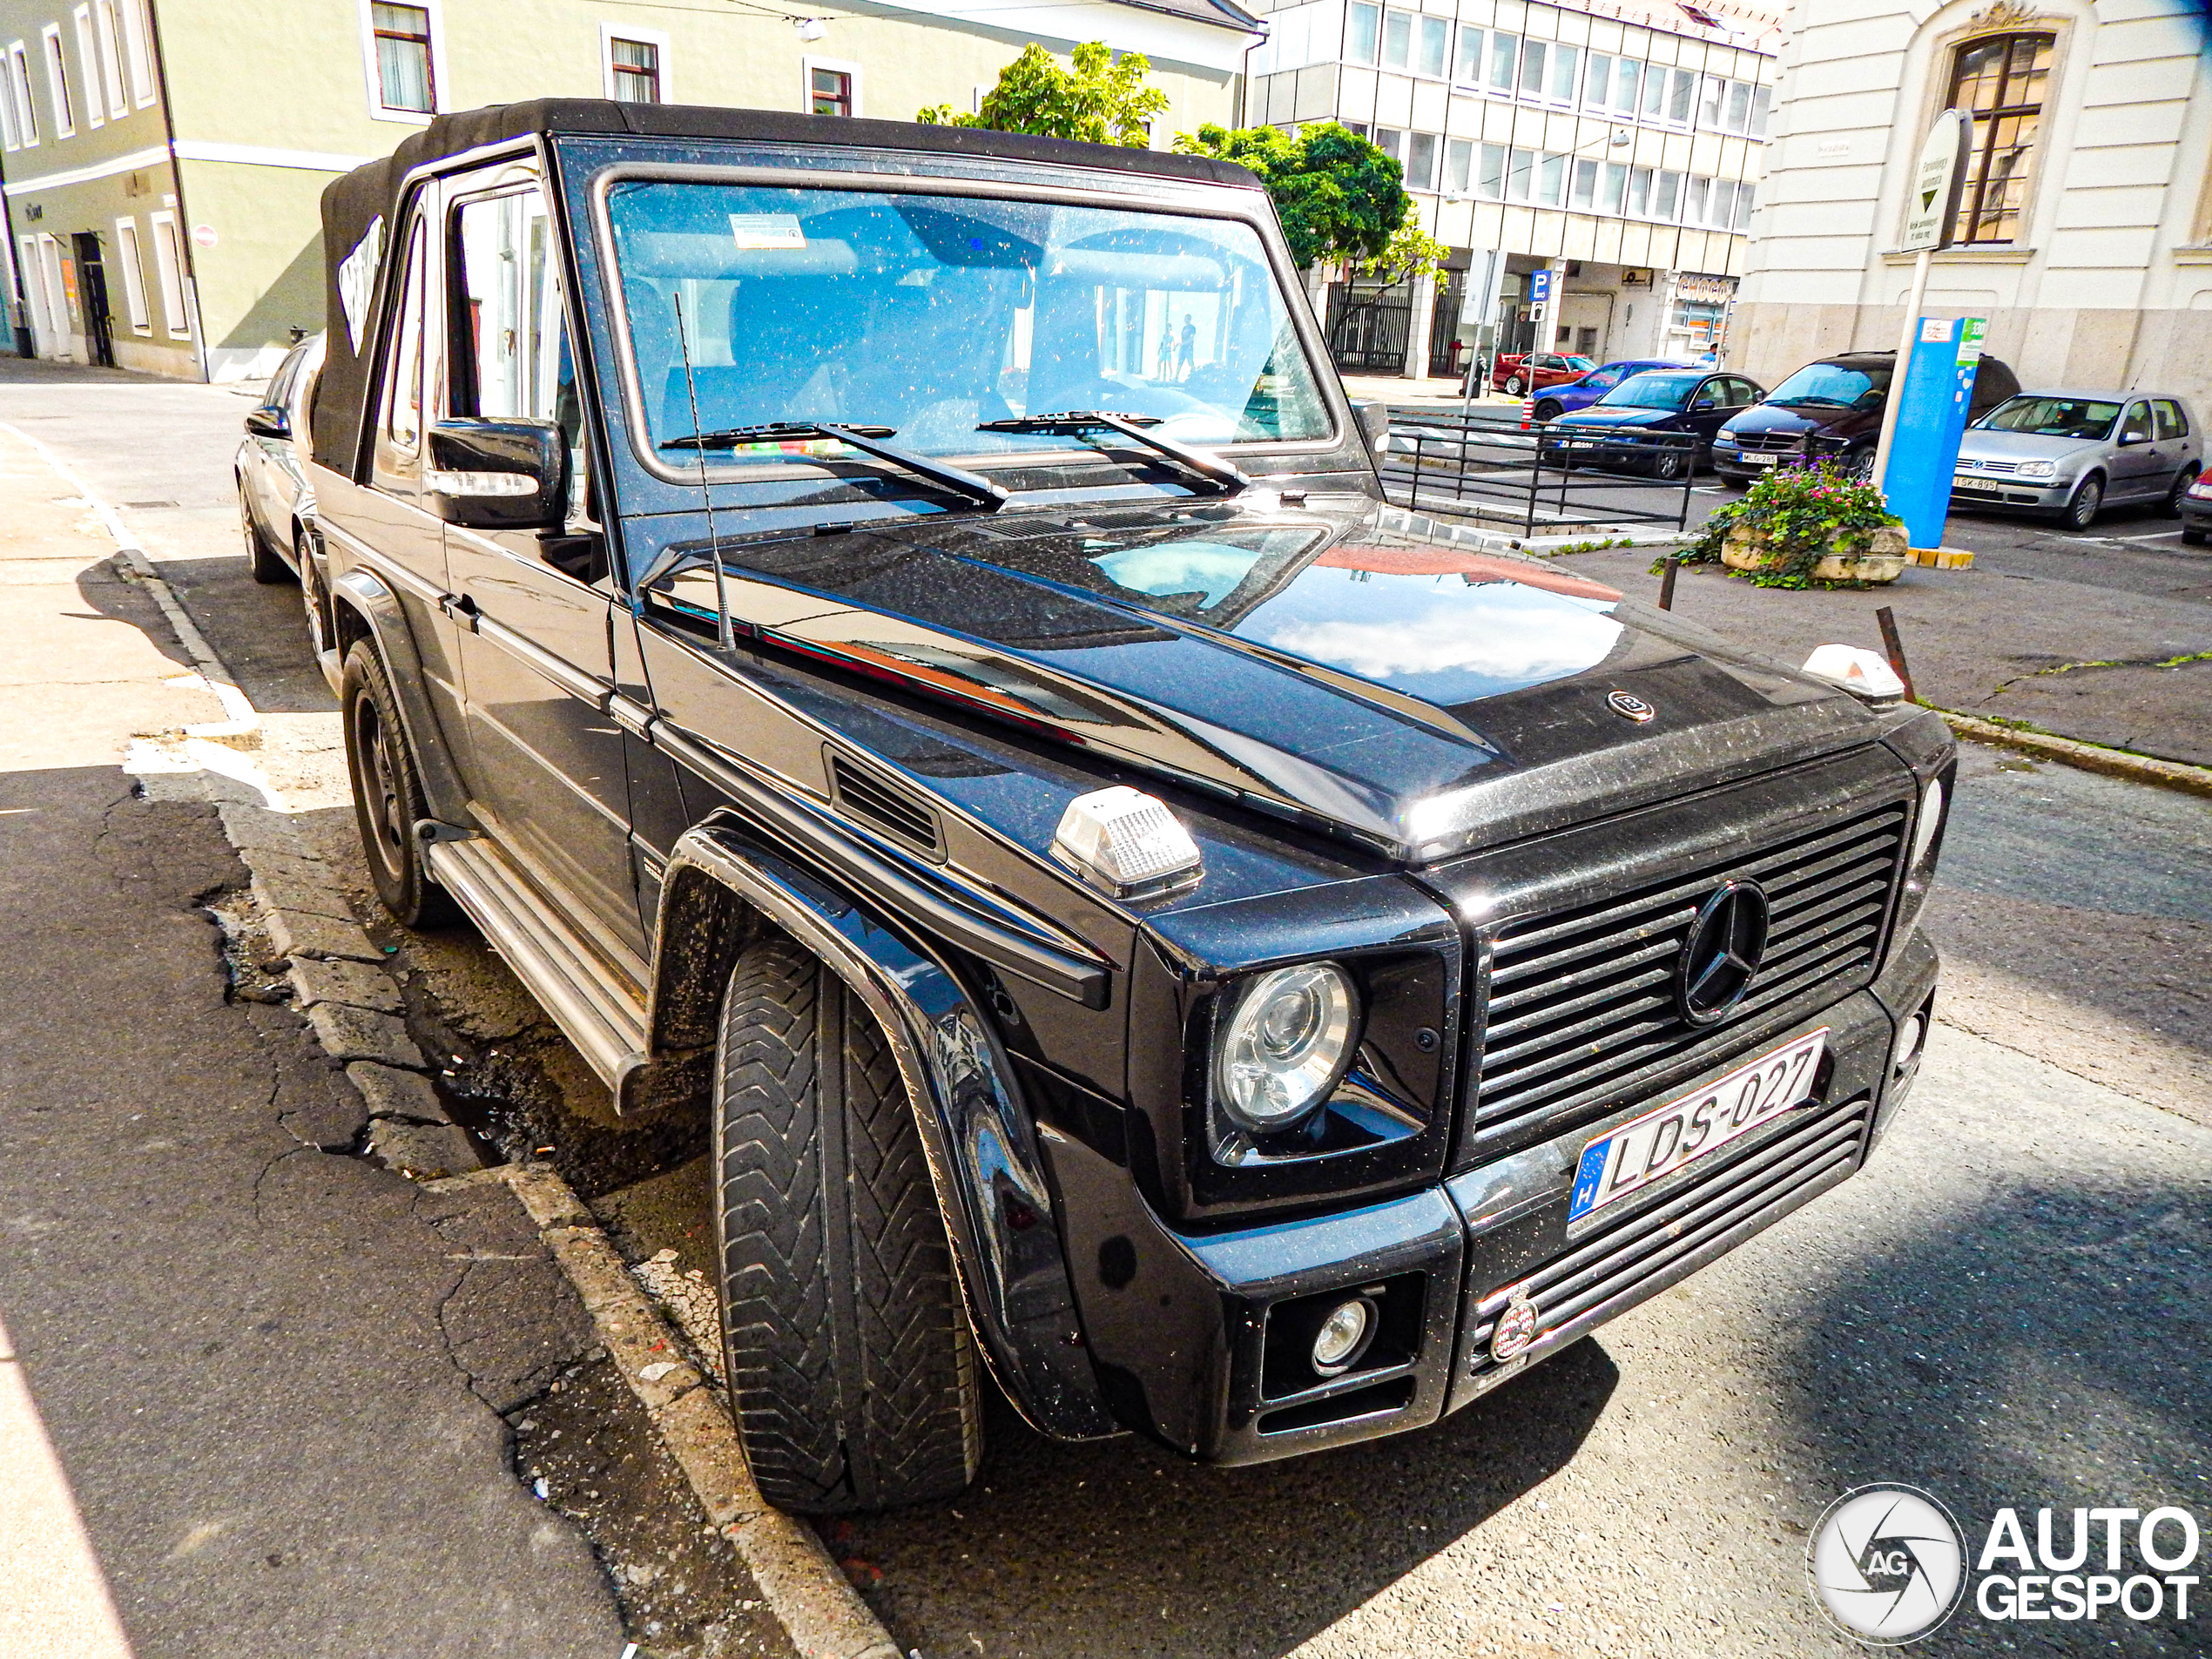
[{"x": 1283, "y": 1045}]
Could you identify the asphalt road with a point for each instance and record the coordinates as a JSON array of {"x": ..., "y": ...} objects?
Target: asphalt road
[{"x": 2004, "y": 1308}]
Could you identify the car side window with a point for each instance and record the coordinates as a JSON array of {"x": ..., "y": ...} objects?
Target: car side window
[
  {"x": 2170, "y": 423},
  {"x": 510, "y": 353},
  {"x": 1742, "y": 394},
  {"x": 399, "y": 435},
  {"x": 1709, "y": 396},
  {"x": 1602, "y": 381},
  {"x": 2136, "y": 428}
]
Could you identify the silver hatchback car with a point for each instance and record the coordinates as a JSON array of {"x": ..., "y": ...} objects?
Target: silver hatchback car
[{"x": 2072, "y": 453}]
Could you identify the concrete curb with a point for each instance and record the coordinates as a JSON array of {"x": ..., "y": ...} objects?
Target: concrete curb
[
  {"x": 822, "y": 1614},
  {"x": 2114, "y": 762}
]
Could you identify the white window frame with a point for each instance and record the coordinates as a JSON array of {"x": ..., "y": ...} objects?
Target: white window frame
[
  {"x": 1422, "y": 23},
  {"x": 134, "y": 276},
  {"x": 110, "y": 32},
  {"x": 657, "y": 38},
  {"x": 170, "y": 273},
  {"x": 57, "y": 295},
  {"x": 89, "y": 55},
  {"x": 839, "y": 65},
  {"x": 439, "y": 87},
  {"x": 27, "y": 129},
  {"x": 1376, "y": 7},
  {"x": 58, "y": 82},
  {"x": 9, "y": 137},
  {"x": 33, "y": 285},
  {"x": 138, "y": 38}
]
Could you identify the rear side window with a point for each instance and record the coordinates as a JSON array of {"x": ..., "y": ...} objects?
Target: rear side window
[
  {"x": 2170, "y": 421},
  {"x": 402, "y": 423}
]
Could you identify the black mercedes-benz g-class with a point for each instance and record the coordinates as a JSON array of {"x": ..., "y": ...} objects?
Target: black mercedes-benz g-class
[{"x": 894, "y": 633}]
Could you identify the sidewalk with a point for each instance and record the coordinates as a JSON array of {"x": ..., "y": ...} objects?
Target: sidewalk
[{"x": 253, "y": 1402}]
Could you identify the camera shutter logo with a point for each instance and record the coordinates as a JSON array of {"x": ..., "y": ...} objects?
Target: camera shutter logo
[{"x": 1888, "y": 1563}]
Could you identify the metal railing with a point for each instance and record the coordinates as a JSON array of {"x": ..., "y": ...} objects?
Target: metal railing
[{"x": 1547, "y": 477}]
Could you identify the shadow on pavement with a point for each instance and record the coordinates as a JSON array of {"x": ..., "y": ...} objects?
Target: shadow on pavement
[{"x": 1120, "y": 1548}]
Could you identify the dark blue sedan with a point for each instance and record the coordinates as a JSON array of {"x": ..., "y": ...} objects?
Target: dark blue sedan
[
  {"x": 1640, "y": 425},
  {"x": 1564, "y": 399}
]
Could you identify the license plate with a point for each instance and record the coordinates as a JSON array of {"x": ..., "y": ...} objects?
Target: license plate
[
  {"x": 1650, "y": 1148},
  {"x": 1753, "y": 458}
]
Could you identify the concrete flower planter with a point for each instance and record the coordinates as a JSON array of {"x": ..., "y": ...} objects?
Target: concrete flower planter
[{"x": 1882, "y": 558}]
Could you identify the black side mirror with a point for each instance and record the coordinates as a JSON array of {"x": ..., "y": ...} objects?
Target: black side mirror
[
  {"x": 268, "y": 422},
  {"x": 498, "y": 475}
]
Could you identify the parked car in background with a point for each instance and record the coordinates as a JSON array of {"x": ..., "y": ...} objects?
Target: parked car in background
[
  {"x": 1533, "y": 370},
  {"x": 2196, "y": 511},
  {"x": 1580, "y": 394},
  {"x": 1641, "y": 425},
  {"x": 2072, "y": 453},
  {"x": 1832, "y": 409},
  {"x": 271, "y": 484}
]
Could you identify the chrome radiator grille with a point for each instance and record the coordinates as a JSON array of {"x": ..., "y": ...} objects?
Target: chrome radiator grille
[{"x": 1581, "y": 1002}]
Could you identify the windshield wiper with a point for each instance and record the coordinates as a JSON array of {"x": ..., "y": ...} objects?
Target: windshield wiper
[
  {"x": 1226, "y": 479},
  {"x": 868, "y": 440}
]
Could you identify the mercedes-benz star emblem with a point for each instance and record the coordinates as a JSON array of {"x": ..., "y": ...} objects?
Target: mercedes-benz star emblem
[
  {"x": 1516, "y": 1326},
  {"x": 1629, "y": 706},
  {"x": 1722, "y": 954}
]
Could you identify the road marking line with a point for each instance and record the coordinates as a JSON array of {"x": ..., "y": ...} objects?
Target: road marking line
[{"x": 2156, "y": 535}]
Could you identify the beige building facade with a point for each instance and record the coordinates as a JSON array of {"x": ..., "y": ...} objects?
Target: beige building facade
[
  {"x": 165, "y": 159},
  {"x": 2086, "y": 235}
]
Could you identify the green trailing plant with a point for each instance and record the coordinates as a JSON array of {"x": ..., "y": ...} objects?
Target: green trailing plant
[
  {"x": 1338, "y": 196},
  {"x": 1099, "y": 99},
  {"x": 1801, "y": 512}
]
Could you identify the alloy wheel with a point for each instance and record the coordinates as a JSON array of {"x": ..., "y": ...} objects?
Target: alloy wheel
[{"x": 2089, "y": 497}]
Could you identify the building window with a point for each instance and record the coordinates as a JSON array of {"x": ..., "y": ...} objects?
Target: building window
[
  {"x": 1505, "y": 56},
  {"x": 1458, "y": 165},
  {"x": 634, "y": 69},
  {"x": 1469, "y": 72},
  {"x": 1420, "y": 161},
  {"x": 405, "y": 79},
  {"x": 88, "y": 59},
  {"x": 1436, "y": 34},
  {"x": 57, "y": 84},
  {"x": 134, "y": 276},
  {"x": 1999, "y": 83},
  {"x": 832, "y": 89},
  {"x": 111, "y": 38},
  {"x": 138, "y": 41},
  {"x": 169, "y": 269},
  {"x": 1363, "y": 38},
  {"x": 19, "y": 91}
]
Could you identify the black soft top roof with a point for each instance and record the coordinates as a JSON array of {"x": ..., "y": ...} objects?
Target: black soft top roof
[{"x": 357, "y": 202}]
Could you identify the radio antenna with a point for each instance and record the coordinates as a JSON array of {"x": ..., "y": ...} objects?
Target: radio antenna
[{"x": 725, "y": 635}]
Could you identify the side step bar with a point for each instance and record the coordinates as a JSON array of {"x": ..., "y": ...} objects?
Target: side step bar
[{"x": 586, "y": 997}]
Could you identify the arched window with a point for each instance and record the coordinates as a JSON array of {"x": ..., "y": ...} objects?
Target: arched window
[{"x": 1999, "y": 80}]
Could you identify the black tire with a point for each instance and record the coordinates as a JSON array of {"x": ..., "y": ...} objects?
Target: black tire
[
  {"x": 2081, "y": 508},
  {"x": 388, "y": 794},
  {"x": 311, "y": 597},
  {"x": 2176, "y": 490},
  {"x": 1514, "y": 386},
  {"x": 852, "y": 1368},
  {"x": 2195, "y": 538},
  {"x": 1548, "y": 411},
  {"x": 1668, "y": 465},
  {"x": 267, "y": 565}
]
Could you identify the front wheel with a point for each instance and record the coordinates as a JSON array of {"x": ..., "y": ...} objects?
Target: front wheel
[
  {"x": 851, "y": 1365},
  {"x": 2082, "y": 507},
  {"x": 1548, "y": 411},
  {"x": 1668, "y": 465},
  {"x": 1514, "y": 386},
  {"x": 1858, "y": 466},
  {"x": 267, "y": 565}
]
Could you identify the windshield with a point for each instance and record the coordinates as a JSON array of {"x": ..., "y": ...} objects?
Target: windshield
[
  {"x": 1831, "y": 385},
  {"x": 930, "y": 315},
  {"x": 1653, "y": 391},
  {"x": 2055, "y": 417}
]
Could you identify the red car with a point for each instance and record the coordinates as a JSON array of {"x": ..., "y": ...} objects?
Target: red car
[{"x": 1533, "y": 371}]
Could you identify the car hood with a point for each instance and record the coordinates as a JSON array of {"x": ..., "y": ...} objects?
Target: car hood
[
  {"x": 1366, "y": 671},
  {"x": 1622, "y": 414},
  {"x": 1982, "y": 443},
  {"x": 1772, "y": 417}
]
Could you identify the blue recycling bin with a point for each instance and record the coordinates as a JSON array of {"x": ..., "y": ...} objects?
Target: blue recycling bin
[{"x": 1936, "y": 389}]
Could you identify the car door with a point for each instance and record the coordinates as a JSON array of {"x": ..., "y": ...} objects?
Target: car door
[
  {"x": 546, "y": 767},
  {"x": 1706, "y": 409},
  {"x": 2170, "y": 429},
  {"x": 2137, "y": 468}
]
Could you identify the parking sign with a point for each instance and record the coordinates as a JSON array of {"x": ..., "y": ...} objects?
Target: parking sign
[{"x": 1540, "y": 285}]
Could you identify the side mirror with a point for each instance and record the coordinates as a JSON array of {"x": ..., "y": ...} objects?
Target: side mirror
[
  {"x": 270, "y": 421},
  {"x": 1374, "y": 424},
  {"x": 498, "y": 475},
  {"x": 2128, "y": 438}
]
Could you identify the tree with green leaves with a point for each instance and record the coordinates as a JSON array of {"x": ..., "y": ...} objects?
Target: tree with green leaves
[
  {"x": 1338, "y": 196},
  {"x": 1099, "y": 100},
  {"x": 1410, "y": 253}
]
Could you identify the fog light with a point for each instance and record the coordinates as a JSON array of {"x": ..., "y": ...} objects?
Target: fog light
[
  {"x": 1915, "y": 1033},
  {"x": 1343, "y": 1337}
]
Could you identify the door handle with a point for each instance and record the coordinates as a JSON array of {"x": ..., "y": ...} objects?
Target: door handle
[{"x": 461, "y": 609}]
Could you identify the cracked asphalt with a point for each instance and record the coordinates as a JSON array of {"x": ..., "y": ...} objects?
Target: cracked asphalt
[{"x": 2005, "y": 1307}]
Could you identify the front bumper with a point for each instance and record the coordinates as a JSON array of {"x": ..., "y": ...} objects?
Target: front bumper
[
  {"x": 2008, "y": 492},
  {"x": 1178, "y": 1325}
]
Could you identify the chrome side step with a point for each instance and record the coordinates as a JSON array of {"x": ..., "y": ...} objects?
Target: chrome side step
[{"x": 586, "y": 997}]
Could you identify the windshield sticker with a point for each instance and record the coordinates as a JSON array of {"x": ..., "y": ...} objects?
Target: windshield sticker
[
  {"x": 357, "y": 279},
  {"x": 753, "y": 230}
]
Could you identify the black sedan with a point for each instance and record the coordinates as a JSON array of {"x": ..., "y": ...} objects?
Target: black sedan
[{"x": 1660, "y": 422}]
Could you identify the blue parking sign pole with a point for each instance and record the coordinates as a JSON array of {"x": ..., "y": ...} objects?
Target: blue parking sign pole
[{"x": 1931, "y": 396}]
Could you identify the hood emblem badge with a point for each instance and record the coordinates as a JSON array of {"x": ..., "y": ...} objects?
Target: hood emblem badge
[
  {"x": 1722, "y": 955},
  {"x": 1516, "y": 1326},
  {"x": 1629, "y": 706}
]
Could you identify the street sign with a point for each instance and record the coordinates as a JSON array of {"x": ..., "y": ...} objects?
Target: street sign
[
  {"x": 1540, "y": 285},
  {"x": 1939, "y": 178}
]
